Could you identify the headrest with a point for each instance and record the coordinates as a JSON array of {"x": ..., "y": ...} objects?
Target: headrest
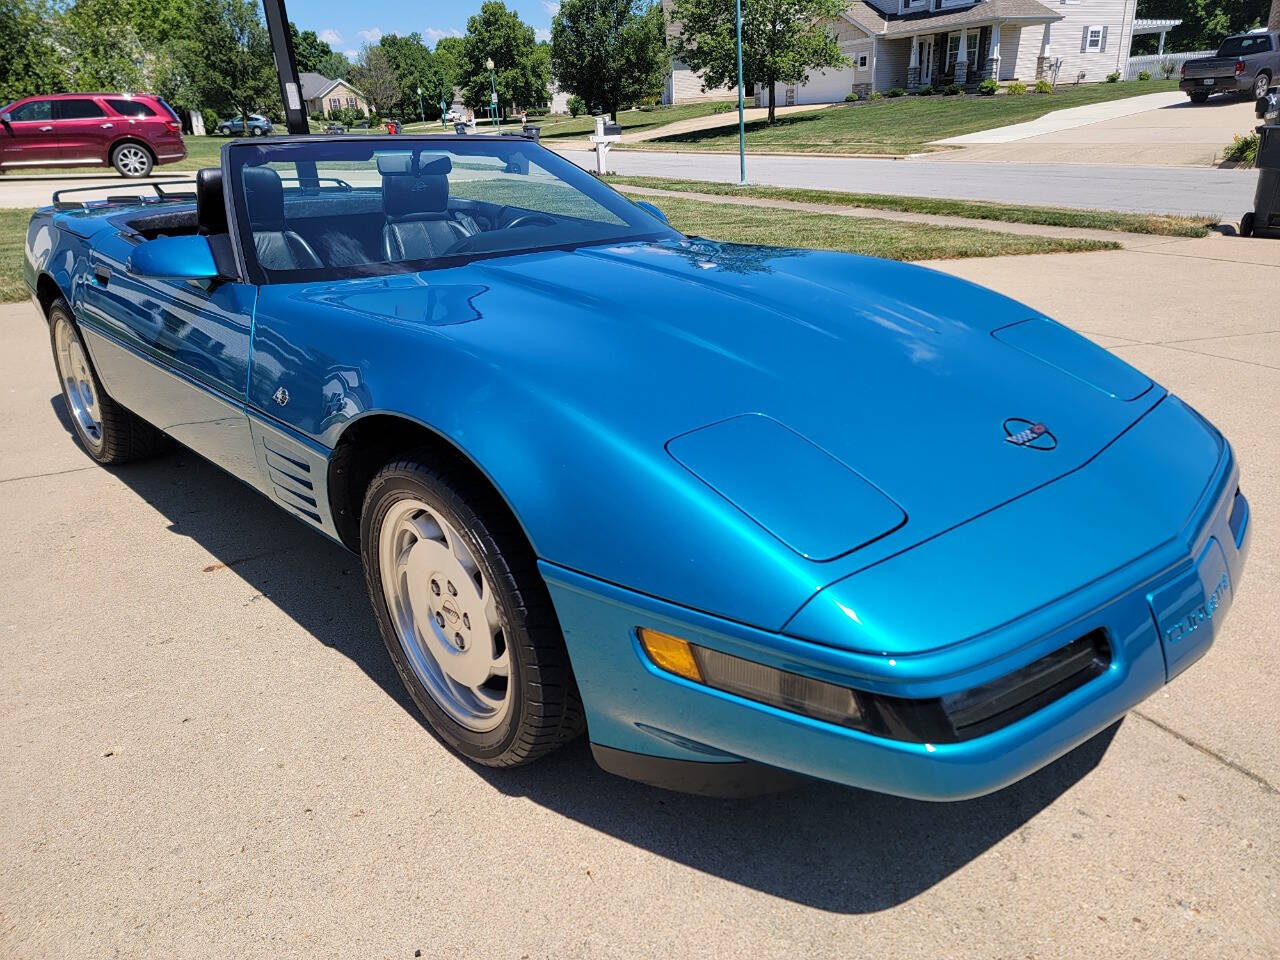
[
  {"x": 404, "y": 196},
  {"x": 401, "y": 163},
  {"x": 263, "y": 198},
  {"x": 211, "y": 209}
]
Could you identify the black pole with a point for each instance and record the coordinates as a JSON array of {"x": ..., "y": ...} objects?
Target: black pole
[{"x": 295, "y": 111}]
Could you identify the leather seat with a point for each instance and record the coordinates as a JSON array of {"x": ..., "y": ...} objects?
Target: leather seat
[
  {"x": 420, "y": 224},
  {"x": 279, "y": 248}
]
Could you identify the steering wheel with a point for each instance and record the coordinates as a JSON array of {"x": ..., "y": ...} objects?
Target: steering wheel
[{"x": 530, "y": 218}]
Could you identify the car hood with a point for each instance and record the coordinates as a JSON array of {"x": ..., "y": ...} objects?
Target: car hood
[{"x": 894, "y": 389}]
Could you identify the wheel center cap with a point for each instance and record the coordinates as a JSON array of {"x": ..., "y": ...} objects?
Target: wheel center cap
[{"x": 450, "y": 611}]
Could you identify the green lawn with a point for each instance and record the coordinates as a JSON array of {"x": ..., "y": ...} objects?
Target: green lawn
[
  {"x": 13, "y": 235},
  {"x": 631, "y": 121},
  {"x": 901, "y": 125},
  {"x": 877, "y": 238},
  {"x": 1155, "y": 223}
]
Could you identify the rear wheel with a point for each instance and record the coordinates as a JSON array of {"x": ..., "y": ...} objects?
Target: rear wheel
[
  {"x": 108, "y": 432},
  {"x": 257, "y": 131},
  {"x": 1247, "y": 224},
  {"x": 465, "y": 615},
  {"x": 1200, "y": 96},
  {"x": 131, "y": 160},
  {"x": 1261, "y": 84}
]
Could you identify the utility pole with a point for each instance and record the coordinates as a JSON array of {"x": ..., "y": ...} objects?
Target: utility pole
[{"x": 295, "y": 111}]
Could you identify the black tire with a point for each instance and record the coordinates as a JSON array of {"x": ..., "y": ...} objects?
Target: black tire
[
  {"x": 119, "y": 436},
  {"x": 1261, "y": 84},
  {"x": 546, "y": 709},
  {"x": 224, "y": 131},
  {"x": 1199, "y": 97},
  {"x": 132, "y": 160},
  {"x": 257, "y": 131},
  {"x": 1247, "y": 224}
]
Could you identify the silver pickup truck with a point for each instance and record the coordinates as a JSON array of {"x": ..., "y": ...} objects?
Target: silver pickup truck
[{"x": 1247, "y": 63}]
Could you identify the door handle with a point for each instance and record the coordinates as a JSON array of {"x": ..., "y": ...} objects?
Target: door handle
[
  {"x": 106, "y": 126},
  {"x": 45, "y": 129},
  {"x": 102, "y": 275}
]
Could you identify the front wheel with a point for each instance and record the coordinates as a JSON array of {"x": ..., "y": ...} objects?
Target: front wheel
[
  {"x": 224, "y": 131},
  {"x": 465, "y": 614},
  {"x": 131, "y": 160},
  {"x": 108, "y": 432},
  {"x": 1247, "y": 224}
]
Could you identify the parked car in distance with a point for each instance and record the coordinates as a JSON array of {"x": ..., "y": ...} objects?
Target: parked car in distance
[
  {"x": 258, "y": 126},
  {"x": 1247, "y": 63},
  {"x": 131, "y": 132}
]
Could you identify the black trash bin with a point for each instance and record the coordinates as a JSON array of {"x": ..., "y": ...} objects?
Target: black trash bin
[
  {"x": 532, "y": 132},
  {"x": 460, "y": 129},
  {"x": 1264, "y": 219}
]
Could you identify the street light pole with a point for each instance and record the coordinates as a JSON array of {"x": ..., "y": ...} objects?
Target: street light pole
[
  {"x": 742, "y": 121},
  {"x": 422, "y": 112},
  {"x": 493, "y": 94}
]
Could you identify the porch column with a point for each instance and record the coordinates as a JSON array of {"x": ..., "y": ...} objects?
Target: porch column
[
  {"x": 993, "y": 55},
  {"x": 1042, "y": 62},
  {"x": 913, "y": 71},
  {"x": 962, "y": 58},
  {"x": 1160, "y": 49}
]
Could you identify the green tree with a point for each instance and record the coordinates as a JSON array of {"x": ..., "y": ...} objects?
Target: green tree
[
  {"x": 522, "y": 74},
  {"x": 228, "y": 52},
  {"x": 609, "y": 52},
  {"x": 334, "y": 65},
  {"x": 782, "y": 40},
  {"x": 102, "y": 48},
  {"x": 414, "y": 68},
  {"x": 377, "y": 80},
  {"x": 29, "y": 62},
  {"x": 309, "y": 51},
  {"x": 1204, "y": 22}
]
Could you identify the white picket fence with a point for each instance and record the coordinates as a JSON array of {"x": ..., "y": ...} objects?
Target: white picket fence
[{"x": 1156, "y": 64}]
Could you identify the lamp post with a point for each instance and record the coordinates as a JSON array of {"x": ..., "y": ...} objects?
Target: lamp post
[
  {"x": 493, "y": 94},
  {"x": 742, "y": 122},
  {"x": 422, "y": 113}
]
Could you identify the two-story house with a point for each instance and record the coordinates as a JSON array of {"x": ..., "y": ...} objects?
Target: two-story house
[{"x": 919, "y": 43}]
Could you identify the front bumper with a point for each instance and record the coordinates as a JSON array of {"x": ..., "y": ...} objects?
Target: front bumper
[{"x": 1160, "y": 613}]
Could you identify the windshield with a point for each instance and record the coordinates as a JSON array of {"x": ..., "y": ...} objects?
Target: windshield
[
  {"x": 362, "y": 206},
  {"x": 1243, "y": 46}
]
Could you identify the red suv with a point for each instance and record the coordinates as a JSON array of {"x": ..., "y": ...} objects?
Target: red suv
[{"x": 131, "y": 132}]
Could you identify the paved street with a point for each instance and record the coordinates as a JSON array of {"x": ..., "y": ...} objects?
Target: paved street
[
  {"x": 1189, "y": 190},
  {"x": 207, "y": 752}
]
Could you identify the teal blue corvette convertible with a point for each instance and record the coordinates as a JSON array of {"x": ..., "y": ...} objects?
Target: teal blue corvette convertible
[{"x": 739, "y": 512}]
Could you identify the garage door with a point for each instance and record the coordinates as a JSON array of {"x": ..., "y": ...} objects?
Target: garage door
[{"x": 826, "y": 86}]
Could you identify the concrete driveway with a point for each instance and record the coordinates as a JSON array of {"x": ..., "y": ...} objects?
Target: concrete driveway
[
  {"x": 1170, "y": 130},
  {"x": 206, "y": 751}
]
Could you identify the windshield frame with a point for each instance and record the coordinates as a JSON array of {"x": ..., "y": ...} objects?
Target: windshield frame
[{"x": 651, "y": 227}]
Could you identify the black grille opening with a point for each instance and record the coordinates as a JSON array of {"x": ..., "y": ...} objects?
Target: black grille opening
[{"x": 1236, "y": 519}]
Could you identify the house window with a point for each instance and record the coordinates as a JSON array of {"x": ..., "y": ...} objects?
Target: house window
[
  {"x": 351, "y": 103},
  {"x": 953, "y": 49},
  {"x": 1093, "y": 42},
  {"x": 335, "y": 103},
  {"x": 862, "y": 61}
]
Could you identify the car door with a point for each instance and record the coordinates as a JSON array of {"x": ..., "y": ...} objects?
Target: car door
[
  {"x": 83, "y": 129},
  {"x": 175, "y": 352},
  {"x": 27, "y": 135}
]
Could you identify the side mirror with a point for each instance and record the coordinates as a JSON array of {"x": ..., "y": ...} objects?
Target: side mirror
[
  {"x": 650, "y": 208},
  {"x": 6, "y": 118},
  {"x": 174, "y": 258}
]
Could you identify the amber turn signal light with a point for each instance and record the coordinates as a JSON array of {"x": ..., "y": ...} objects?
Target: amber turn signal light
[{"x": 671, "y": 654}]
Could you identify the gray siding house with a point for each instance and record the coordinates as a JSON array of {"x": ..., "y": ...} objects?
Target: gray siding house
[{"x": 917, "y": 43}]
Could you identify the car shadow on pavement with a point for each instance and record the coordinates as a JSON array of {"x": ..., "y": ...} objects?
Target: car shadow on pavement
[{"x": 825, "y": 846}]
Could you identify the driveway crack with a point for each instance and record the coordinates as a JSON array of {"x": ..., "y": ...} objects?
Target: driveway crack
[{"x": 1260, "y": 780}]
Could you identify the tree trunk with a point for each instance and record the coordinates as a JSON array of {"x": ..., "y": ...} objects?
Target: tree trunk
[
  {"x": 1274, "y": 20},
  {"x": 244, "y": 121},
  {"x": 773, "y": 98}
]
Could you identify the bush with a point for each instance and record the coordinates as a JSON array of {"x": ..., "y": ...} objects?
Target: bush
[
  {"x": 1168, "y": 68},
  {"x": 576, "y": 105},
  {"x": 724, "y": 108},
  {"x": 926, "y": 92},
  {"x": 851, "y": 98},
  {"x": 1243, "y": 151},
  {"x": 954, "y": 90},
  {"x": 895, "y": 92},
  {"x": 1016, "y": 89},
  {"x": 1043, "y": 86},
  {"x": 1113, "y": 78},
  {"x": 210, "y": 120},
  {"x": 1144, "y": 74},
  {"x": 876, "y": 95},
  {"x": 988, "y": 87}
]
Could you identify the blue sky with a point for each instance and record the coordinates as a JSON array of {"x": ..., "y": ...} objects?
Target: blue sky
[{"x": 348, "y": 26}]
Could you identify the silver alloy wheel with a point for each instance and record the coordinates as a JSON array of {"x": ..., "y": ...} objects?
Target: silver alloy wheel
[
  {"x": 1261, "y": 84},
  {"x": 132, "y": 161},
  {"x": 77, "y": 383},
  {"x": 258, "y": 131},
  {"x": 445, "y": 615}
]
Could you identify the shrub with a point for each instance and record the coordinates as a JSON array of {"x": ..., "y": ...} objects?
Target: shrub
[
  {"x": 210, "y": 120},
  {"x": 954, "y": 90},
  {"x": 1144, "y": 74},
  {"x": 1243, "y": 151},
  {"x": 1113, "y": 78},
  {"x": 576, "y": 105},
  {"x": 895, "y": 92},
  {"x": 1043, "y": 86},
  {"x": 724, "y": 108},
  {"x": 851, "y": 98},
  {"x": 1016, "y": 89},
  {"x": 1168, "y": 68},
  {"x": 876, "y": 95},
  {"x": 926, "y": 92},
  {"x": 988, "y": 87}
]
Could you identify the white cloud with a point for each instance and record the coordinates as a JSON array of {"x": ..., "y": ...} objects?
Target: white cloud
[
  {"x": 542, "y": 34},
  {"x": 331, "y": 37},
  {"x": 551, "y": 7},
  {"x": 372, "y": 35},
  {"x": 351, "y": 54},
  {"x": 433, "y": 34}
]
